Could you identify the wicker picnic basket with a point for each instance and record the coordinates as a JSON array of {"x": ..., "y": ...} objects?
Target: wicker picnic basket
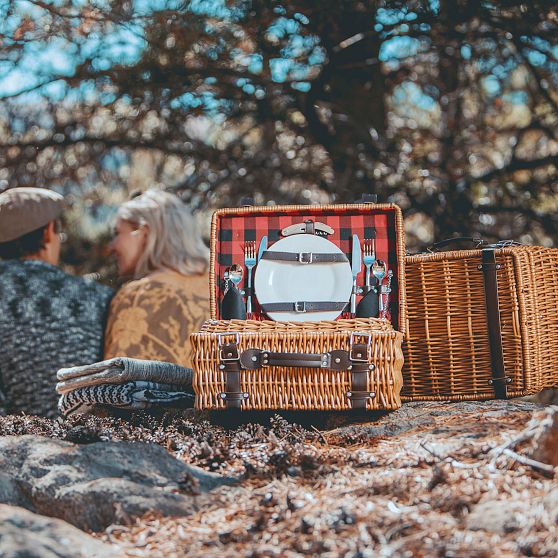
[
  {"x": 371, "y": 343},
  {"x": 482, "y": 324},
  {"x": 342, "y": 364}
]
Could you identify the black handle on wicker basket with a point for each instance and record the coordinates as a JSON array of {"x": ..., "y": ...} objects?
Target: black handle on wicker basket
[
  {"x": 252, "y": 359},
  {"x": 437, "y": 245},
  {"x": 355, "y": 360}
]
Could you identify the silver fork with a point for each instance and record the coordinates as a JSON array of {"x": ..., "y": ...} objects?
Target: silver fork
[
  {"x": 368, "y": 257},
  {"x": 249, "y": 262}
]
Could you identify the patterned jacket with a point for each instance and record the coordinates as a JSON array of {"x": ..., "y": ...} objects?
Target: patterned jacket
[
  {"x": 48, "y": 320},
  {"x": 152, "y": 318}
]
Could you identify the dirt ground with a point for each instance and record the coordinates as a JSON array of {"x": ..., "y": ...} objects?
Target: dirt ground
[{"x": 433, "y": 479}]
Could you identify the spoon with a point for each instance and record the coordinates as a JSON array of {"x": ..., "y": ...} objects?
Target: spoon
[
  {"x": 379, "y": 270},
  {"x": 235, "y": 274}
]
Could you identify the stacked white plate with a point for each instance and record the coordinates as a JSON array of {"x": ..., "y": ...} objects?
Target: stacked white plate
[{"x": 281, "y": 281}]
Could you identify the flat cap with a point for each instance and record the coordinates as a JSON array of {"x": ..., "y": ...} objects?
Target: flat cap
[{"x": 23, "y": 210}]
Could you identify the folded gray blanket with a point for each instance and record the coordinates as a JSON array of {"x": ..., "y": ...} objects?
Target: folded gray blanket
[
  {"x": 131, "y": 395},
  {"x": 120, "y": 370}
]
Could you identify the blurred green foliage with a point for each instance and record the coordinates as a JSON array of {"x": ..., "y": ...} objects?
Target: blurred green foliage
[{"x": 449, "y": 109}]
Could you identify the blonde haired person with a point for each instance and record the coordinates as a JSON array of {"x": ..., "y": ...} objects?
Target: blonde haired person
[{"x": 157, "y": 243}]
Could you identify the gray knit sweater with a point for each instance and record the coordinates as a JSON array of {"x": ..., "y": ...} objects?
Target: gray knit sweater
[{"x": 48, "y": 320}]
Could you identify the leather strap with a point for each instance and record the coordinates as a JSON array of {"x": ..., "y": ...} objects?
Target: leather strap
[
  {"x": 303, "y": 257},
  {"x": 359, "y": 393},
  {"x": 489, "y": 267},
  {"x": 308, "y": 227},
  {"x": 302, "y": 307},
  {"x": 252, "y": 359},
  {"x": 230, "y": 364}
]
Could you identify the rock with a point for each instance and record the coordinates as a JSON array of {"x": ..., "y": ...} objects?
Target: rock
[
  {"x": 422, "y": 416},
  {"x": 24, "y": 534},
  {"x": 498, "y": 516},
  {"x": 94, "y": 485},
  {"x": 548, "y": 396},
  {"x": 545, "y": 441}
]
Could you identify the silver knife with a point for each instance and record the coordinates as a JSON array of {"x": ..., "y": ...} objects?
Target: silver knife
[
  {"x": 263, "y": 247},
  {"x": 356, "y": 264}
]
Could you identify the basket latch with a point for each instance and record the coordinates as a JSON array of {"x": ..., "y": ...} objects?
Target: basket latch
[
  {"x": 360, "y": 349},
  {"x": 229, "y": 358}
]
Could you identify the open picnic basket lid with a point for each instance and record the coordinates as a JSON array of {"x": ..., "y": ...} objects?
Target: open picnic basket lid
[{"x": 232, "y": 228}]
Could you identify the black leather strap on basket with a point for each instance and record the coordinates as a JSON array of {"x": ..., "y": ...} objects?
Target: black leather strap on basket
[
  {"x": 489, "y": 267},
  {"x": 230, "y": 364},
  {"x": 301, "y": 307},
  {"x": 252, "y": 359},
  {"x": 304, "y": 257},
  {"x": 360, "y": 366}
]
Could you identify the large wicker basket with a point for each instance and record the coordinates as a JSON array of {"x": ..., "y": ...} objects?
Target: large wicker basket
[
  {"x": 374, "y": 344},
  {"x": 450, "y": 351}
]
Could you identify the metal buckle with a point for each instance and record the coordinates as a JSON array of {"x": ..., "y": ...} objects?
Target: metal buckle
[
  {"x": 360, "y": 334},
  {"x": 232, "y": 352},
  {"x": 300, "y": 307},
  {"x": 228, "y": 334},
  {"x": 358, "y": 357},
  {"x": 305, "y": 257}
]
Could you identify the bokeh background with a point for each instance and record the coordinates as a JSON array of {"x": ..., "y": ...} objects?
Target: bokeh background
[{"x": 449, "y": 109}]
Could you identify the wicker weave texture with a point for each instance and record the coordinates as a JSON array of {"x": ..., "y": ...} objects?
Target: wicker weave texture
[
  {"x": 447, "y": 351},
  {"x": 298, "y": 388}
]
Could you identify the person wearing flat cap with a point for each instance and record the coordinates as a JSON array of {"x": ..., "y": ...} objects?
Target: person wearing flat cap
[{"x": 48, "y": 319}]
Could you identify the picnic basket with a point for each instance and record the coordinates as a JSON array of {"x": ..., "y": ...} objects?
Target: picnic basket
[
  {"x": 482, "y": 323},
  {"x": 371, "y": 347},
  {"x": 340, "y": 364}
]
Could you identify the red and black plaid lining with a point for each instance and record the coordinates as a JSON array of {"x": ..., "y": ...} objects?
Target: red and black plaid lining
[{"x": 234, "y": 230}]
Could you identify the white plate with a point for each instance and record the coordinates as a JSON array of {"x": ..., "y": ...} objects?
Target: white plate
[{"x": 279, "y": 281}]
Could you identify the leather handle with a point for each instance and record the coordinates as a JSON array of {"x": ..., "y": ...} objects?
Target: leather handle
[
  {"x": 308, "y": 227},
  {"x": 437, "y": 245},
  {"x": 252, "y": 359}
]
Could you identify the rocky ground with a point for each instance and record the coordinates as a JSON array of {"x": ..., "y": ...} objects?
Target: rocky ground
[{"x": 432, "y": 479}]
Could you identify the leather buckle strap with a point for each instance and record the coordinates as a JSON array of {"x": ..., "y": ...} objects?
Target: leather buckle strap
[
  {"x": 304, "y": 257},
  {"x": 359, "y": 355},
  {"x": 230, "y": 364},
  {"x": 303, "y": 306},
  {"x": 229, "y": 353},
  {"x": 489, "y": 268},
  {"x": 252, "y": 359},
  {"x": 360, "y": 352}
]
